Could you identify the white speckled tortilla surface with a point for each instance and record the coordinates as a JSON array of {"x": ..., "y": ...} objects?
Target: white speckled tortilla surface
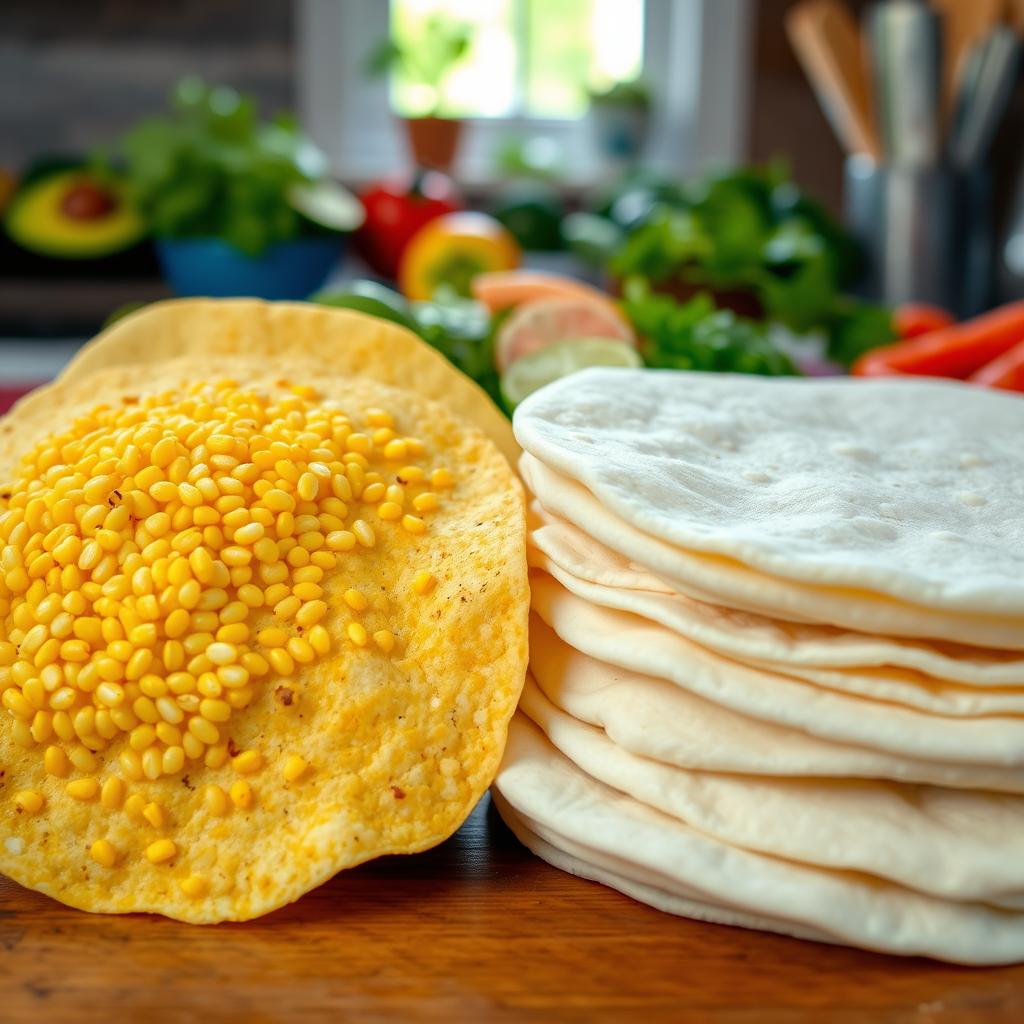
[
  {"x": 658, "y": 719},
  {"x": 909, "y": 488},
  {"x": 718, "y": 580},
  {"x": 547, "y": 791},
  {"x": 797, "y": 649},
  {"x": 954, "y": 844},
  {"x": 632, "y": 643}
]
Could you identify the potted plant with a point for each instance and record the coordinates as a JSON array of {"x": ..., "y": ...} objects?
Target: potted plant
[
  {"x": 621, "y": 115},
  {"x": 238, "y": 206},
  {"x": 423, "y": 59}
]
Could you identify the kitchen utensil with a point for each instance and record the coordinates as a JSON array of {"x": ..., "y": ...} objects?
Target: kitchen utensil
[
  {"x": 906, "y": 58},
  {"x": 986, "y": 85},
  {"x": 827, "y": 42},
  {"x": 965, "y": 23}
]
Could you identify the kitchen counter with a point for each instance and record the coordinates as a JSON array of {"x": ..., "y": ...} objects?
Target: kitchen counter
[{"x": 477, "y": 929}]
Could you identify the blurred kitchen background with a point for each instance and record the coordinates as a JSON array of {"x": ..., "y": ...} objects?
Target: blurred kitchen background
[{"x": 575, "y": 123}]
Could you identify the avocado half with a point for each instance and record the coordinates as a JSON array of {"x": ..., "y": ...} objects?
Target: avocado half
[{"x": 73, "y": 213}]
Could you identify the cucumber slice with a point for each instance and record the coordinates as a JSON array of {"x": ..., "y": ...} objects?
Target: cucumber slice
[{"x": 532, "y": 371}]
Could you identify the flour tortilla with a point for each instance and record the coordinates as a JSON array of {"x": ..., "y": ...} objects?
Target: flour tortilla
[
  {"x": 703, "y": 624},
  {"x": 547, "y": 790},
  {"x": 634, "y": 643},
  {"x": 747, "y": 635},
  {"x": 954, "y": 844},
  {"x": 909, "y": 488},
  {"x": 606, "y": 870},
  {"x": 656, "y": 719},
  {"x": 341, "y": 340},
  {"x": 719, "y": 580}
]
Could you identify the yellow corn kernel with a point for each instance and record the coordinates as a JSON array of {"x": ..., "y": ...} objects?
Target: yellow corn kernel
[
  {"x": 154, "y": 814},
  {"x": 82, "y": 789},
  {"x": 28, "y": 801},
  {"x": 248, "y": 762},
  {"x": 385, "y": 640},
  {"x": 319, "y": 639},
  {"x": 364, "y": 533},
  {"x": 194, "y": 887},
  {"x": 161, "y": 851},
  {"x": 409, "y": 475},
  {"x": 55, "y": 762},
  {"x": 425, "y": 502},
  {"x": 413, "y": 524},
  {"x": 424, "y": 582},
  {"x": 356, "y": 633},
  {"x": 294, "y": 768},
  {"x": 441, "y": 479},
  {"x": 241, "y": 794},
  {"x": 272, "y": 637},
  {"x": 103, "y": 852},
  {"x": 355, "y": 600},
  {"x": 112, "y": 793},
  {"x": 216, "y": 800}
]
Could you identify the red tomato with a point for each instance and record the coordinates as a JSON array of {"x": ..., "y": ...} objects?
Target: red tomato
[
  {"x": 913, "y": 319},
  {"x": 396, "y": 210}
]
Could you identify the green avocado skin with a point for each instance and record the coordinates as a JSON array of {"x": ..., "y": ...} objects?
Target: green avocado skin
[{"x": 34, "y": 219}]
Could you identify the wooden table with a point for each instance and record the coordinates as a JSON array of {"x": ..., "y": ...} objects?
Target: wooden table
[{"x": 478, "y": 930}]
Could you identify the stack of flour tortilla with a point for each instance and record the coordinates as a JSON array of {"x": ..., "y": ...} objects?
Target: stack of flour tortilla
[{"x": 777, "y": 654}]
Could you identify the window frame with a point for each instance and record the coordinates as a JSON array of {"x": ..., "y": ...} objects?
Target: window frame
[{"x": 696, "y": 60}]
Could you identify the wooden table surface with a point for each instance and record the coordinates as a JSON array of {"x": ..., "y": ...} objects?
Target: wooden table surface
[{"x": 477, "y": 930}]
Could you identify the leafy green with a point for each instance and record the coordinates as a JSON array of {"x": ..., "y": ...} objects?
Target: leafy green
[
  {"x": 752, "y": 231},
  {"x": 695, "y": 335},
  {"x": 424, "y": 55},
  {"x": 210, "y": 168}
]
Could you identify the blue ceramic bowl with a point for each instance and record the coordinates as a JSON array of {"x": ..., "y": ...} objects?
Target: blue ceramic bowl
[{"x": 210, "y": 266}]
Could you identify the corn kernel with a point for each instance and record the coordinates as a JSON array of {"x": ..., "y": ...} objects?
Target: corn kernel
[
  {"x": 385, "y": 640},
  {"x": 241, "y": 794},
  {"x": 248, "y": 762},
  {"x": 112, "y": 793},
  {"x": 216, "y": 800},
  {"x": 103, "y": 852},
  {"x": 294, "y": 768},
  {"x": 83, "y": 789},
  {"x": 161, "y": 851},
  {"x": 195, "y": 886},
  {"x": 28, "y": 801},
  {"x": 424, "y": 582}
]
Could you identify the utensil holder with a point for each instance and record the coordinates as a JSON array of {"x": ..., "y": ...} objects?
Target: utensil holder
[{"x": 926, "y": 233}]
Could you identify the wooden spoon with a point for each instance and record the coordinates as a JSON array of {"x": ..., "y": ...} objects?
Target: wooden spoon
[{"x": 828, "y": 44}]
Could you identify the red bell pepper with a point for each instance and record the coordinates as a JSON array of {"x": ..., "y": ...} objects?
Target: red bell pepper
[{"x": 396, "y": 210}]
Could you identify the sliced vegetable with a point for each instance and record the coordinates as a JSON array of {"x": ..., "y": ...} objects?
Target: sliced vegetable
[
  {"x": 956, "y": 351},
  {"x": 533, "y": 371},
  {"x": 538, "y": 324},
  {"x": 1007, "y": 371},
  {"x": 913, "y": 319},
  {"x": 450, "y": 251},
  {"x": 504, "y": 289}
]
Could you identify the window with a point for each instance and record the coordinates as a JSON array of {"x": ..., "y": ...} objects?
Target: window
[
  {"x": 527, "y": 58},
  {"x": 527, "y": 75}
]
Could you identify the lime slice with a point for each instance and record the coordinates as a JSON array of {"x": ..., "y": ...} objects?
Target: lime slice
[{"x": 531, "y": 372}]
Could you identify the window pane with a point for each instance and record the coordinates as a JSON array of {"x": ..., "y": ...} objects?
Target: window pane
[
  {"x": 481, "y": 84},
  {"x": 536, "y": 58}
]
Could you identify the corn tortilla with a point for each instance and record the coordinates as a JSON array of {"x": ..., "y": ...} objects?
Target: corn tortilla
[
  {"x": 399, "y": 747},
  {"x": 342, "y": 340}
]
